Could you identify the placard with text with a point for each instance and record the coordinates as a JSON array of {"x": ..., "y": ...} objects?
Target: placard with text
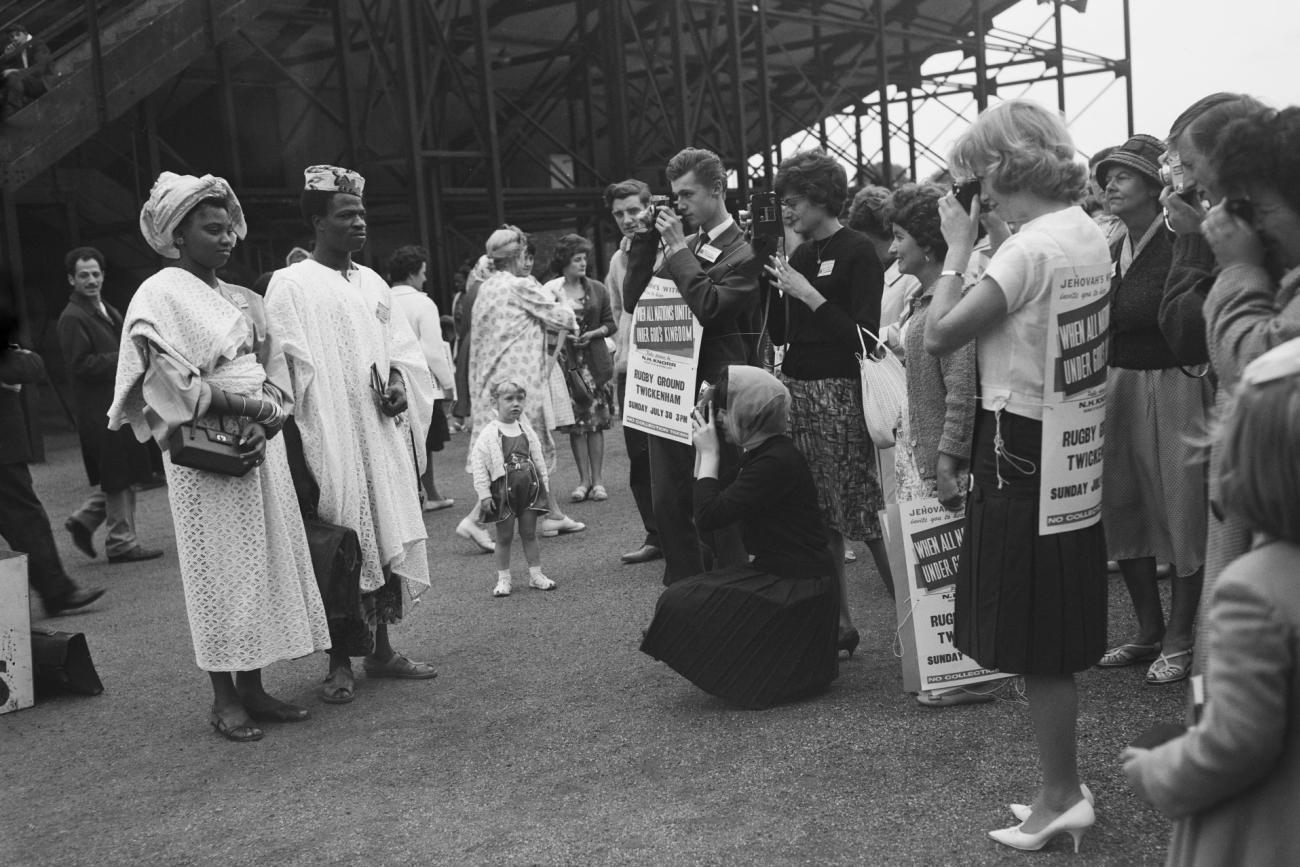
[
  {"x": 1074, "y": 399},
  {"x": 928, "y": 537},
  {"x": 663, "y": 357}
]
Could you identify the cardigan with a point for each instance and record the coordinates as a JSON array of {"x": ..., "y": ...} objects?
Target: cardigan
[
  {"x": 940, "y": 396},
  {"x": 1247, "y": 314},
  {"x": 824, "y": 343},
  {"x": 487, "y": 463},
  {"x": 1233, "y": 780},
  {"x": 1136, "y": 341},
  {"x": 1182, "y": 320},
  {"x": 774, "y": 498}
]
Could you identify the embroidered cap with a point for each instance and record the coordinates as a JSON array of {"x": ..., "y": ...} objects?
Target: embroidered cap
[{"x": 332, "y": 179}]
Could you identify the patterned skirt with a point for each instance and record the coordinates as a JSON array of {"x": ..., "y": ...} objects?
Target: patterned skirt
[
  {"x": 827, "y": 426},
  {"x": 1154, "y": 493},
  {"x": 600, "y": 412}
]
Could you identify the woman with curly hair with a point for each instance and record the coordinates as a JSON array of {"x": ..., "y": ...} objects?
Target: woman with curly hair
[
  {"x": 932, "y": 458},
  {"x": 588, "y": 356},
  {"x": 1027, "y": 603},
  {"x": 833, "y": 283}
]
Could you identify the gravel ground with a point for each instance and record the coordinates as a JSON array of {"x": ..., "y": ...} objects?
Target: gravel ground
[{"x": 547, "y": 739}]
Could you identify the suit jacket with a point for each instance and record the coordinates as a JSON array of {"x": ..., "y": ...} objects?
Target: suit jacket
[
  {"x": 113, "y": 459},
  {"x": 722, "y": 294},
  {"x": 1233, "y": 781},
  {"x": 17, "y": 368}
]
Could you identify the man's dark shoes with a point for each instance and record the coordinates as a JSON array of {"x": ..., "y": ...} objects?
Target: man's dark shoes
[
  {"x": 78, "y": 598},
  {"x": 137, "y": 554},
  {"x": 644, "y": 554},
  {"x": 82, "y": 536}
]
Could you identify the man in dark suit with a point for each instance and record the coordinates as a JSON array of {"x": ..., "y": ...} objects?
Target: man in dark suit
[
  {"x": 90, "y": 333},
  {"x": 717, "y": 276},
  {"x": 23, "y": 522}
]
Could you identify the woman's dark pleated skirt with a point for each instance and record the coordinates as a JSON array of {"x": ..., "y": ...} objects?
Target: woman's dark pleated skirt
[
  {"x": 748, "y": 636},
  {"x": 1026, "y": 604}
]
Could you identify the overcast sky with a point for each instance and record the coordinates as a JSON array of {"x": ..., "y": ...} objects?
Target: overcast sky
[{"x": 1182, "y": 50}]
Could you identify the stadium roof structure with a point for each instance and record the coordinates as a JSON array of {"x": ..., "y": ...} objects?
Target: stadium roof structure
[{"x": 466, "y": 113}]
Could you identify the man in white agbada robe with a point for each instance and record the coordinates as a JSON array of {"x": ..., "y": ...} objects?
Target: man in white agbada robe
[{"x": 355, "y": 366}]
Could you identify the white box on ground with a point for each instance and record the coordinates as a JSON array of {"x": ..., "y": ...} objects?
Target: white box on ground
[{"x": 15, "y": 633}]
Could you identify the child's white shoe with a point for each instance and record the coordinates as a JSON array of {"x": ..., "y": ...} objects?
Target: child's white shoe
[
  {"x": 503, "y": 586},
  {"x": 538, "y": 581}
]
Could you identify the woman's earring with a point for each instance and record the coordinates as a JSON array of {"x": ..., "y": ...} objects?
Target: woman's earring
[{"x": 179, "y": 242}]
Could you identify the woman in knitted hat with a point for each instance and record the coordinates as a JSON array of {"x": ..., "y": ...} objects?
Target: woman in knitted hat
[
  {"x": 1153, "y": 494},
  {"x": 197, "y": 350}
]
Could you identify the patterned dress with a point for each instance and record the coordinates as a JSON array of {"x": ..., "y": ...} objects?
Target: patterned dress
[
  {"x": 508, "y": 340},
  {"x": 250, "y": 590}
]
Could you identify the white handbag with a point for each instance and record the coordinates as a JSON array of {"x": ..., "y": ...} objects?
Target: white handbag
[{"x": 884, "y": 390}]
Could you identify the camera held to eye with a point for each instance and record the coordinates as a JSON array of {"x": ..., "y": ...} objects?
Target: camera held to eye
[
  {"x": 966, "y": 191},
  {"x": 705, "y": 399},
  {"x": 1174, "y": 177},
  {"x": 765, "y": 216},
  {"x": 651, "y": 212},
  {"x": 1243, "y": 209}
]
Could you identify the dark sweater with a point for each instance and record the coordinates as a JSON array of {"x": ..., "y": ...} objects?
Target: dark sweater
[
  {"x": 823, "y": 344},
  {"x": 775, "y": 500},
  {"x": 1182, "y": 318},
  {"x": 1136, "y": 341}
]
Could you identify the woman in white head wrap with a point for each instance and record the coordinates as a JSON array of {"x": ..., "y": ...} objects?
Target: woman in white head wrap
[
  {"x": 197, "y": 349},
  {"x": 508, "y": 326},
  {"x": 764, "y": 632}
]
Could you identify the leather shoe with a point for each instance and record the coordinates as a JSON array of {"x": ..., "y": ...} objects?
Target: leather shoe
[
  {"x": 82, "y": 536},
  {"x": 644, "y": 554},
  {"x": 137, "y": 554},
  {"x": 78, "y": 598}
]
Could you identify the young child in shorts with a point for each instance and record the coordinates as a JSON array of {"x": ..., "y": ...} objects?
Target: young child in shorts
[{"x": 510, "y": 479}]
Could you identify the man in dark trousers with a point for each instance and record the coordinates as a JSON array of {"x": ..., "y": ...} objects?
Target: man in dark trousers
[
  {"x": 627, "y": 202},
  {"x": 716, "y": 274},
  {"x": 90, "y": 333},
  {"x": 23, "y": 522}
]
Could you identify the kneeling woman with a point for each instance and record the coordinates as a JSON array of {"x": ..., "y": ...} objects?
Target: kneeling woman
[
  {"x": 765, "y": 632},
  {"x": 197, "y": 348}
]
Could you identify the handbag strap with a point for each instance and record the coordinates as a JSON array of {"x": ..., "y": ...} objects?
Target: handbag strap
[
  {"x": 880, "y": 344},
  {"x": 554, "y": 358}
]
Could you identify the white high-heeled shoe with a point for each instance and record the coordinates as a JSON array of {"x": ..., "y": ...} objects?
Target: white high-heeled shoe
[
  {"x": 1024, "y": 811},
  {"x": 1074, "y": 821}
]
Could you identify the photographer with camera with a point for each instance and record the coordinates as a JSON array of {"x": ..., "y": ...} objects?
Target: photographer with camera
[
  {"x": 832, "y": 284},
  {"x": 1190, "y": 187},
  {"x": 714, "y": 271}
]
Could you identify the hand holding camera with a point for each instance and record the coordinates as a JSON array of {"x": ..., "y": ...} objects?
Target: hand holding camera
[
  {"x": 960, "y": 224},
  {"x": 1231, "y": 237}
]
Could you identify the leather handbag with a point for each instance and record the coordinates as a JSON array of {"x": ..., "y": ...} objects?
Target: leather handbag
[
  {"x": 336, "y": 560},
  {"x": 211, "y": 449},
  {"x": 884, "y": 390},
  {"x": 61, "y": 663}
]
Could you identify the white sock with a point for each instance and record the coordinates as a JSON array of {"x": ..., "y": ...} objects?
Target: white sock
[
  {"x": 503, "y": 574},
  {"x": 535, "y": 572}
]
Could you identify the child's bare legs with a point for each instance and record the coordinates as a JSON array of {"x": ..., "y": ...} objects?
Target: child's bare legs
[
  {"x": 533, "y": 554},
  {"x": 527, "y": 533},
  {"x": 505, "y": 534}
]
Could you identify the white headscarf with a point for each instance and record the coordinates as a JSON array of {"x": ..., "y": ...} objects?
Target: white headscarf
[
  {"x": 172, "y": 198},
  {"x": 758, "y": 406}
]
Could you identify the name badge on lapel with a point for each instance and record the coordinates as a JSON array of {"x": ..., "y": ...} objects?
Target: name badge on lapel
[
  {"x": 824, "y": 269},
  {"x": 239, "y": 301},
  {"x": 709, "y": 253},
  {"x": 381, "y": 312}
]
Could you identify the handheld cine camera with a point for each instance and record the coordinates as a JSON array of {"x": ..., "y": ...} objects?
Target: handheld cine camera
[
  {"x": 966, "y": 191},
  {"x": 765, "y": 216},
  {"x": 652, "y": 210}
]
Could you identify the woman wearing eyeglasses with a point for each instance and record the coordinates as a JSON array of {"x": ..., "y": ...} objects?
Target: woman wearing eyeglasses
[{"x": 832, "y": 283}]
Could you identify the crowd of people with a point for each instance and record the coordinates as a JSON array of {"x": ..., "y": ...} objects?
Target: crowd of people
[{"x": 325, "y": 393}]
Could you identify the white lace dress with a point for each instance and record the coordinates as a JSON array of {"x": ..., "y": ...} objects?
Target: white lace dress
[
  {"x": 250, "y": 590},
  {"x": 334, "y": 329}
]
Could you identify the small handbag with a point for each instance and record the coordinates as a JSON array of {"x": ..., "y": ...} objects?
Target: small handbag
[
  {"x": 884, "y": 390},
  {"x": 211, "y": 449}
]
